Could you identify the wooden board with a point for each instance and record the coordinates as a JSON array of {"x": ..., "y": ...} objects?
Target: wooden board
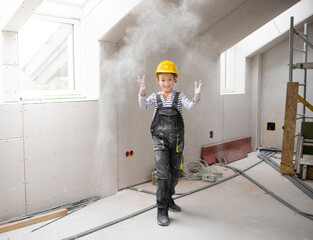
[
  {"x": 33, "y": 220},
  {"x": 210, "y": 153},
  {"x": 305, "y": 103},
  {"x": 287, "y": 165}
]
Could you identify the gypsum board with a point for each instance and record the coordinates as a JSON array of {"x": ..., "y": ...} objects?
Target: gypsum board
[
  {"x": 307, "y": 215},
  {"x": 296, "y": 181},
  {"x": 92, "y": 230}
]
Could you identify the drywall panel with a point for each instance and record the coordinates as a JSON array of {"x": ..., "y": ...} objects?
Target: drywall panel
[
  {"x": 245, "y": 19},
  {"x": 108, "y": 15},
  {"x": 255, "y": 67},
  {"x": 274, "y": 83},
  {"x": 105, "y": 176},
  {"x": 11, "y": 121},
  {"x": 60, "y": 152},
  {"x": 9, "y": 48},
  {"x": 12, "y": 185},
  {"x": 208, "y": 114},
  {"x": 10, "y": 66},
  {"x": 11, "y": 85},
  {"x": 21, "y": 14},
  {"x": 236, "y": 116}
]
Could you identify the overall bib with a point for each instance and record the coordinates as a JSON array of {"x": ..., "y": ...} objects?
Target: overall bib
[{"x": 167, "y": 131}]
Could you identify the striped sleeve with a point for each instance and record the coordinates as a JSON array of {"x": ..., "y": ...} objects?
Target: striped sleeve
[
  {"x": 188, "y": 104},
  {"x": 146, "y": 102}
]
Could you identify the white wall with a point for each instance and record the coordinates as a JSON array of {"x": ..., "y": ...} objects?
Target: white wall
[{"x": 274, "y": 83}]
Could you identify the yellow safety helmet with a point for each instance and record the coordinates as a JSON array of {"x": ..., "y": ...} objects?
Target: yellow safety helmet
[{"x": 166, "y": 67}]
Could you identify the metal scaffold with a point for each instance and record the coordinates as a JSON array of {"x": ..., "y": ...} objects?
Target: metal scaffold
[{"x": 304, "y": 148}]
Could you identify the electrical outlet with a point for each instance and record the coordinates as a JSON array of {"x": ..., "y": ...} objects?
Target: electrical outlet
[{"x": 211, "y": 134}]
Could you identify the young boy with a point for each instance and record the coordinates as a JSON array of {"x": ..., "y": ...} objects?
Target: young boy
[{"x": 167, "y": 131}]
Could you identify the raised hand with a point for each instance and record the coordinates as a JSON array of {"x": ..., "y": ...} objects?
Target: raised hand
[
  {"x": 197, "y": 90},
  {"x": 141, "y": 81}
]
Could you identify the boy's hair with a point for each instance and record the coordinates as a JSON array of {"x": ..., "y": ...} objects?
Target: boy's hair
[{"x": 174, "y": 74}]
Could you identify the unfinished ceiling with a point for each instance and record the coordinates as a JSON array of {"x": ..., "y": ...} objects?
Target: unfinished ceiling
[{"x": 226, "y": 21}]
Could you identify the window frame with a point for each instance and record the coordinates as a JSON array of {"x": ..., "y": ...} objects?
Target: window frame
[
  {"x": 227, "y": 71},
  {"x": 77, "y": 79}
]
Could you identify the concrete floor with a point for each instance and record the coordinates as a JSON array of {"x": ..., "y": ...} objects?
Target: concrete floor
[{"x": 235, "y": 209}]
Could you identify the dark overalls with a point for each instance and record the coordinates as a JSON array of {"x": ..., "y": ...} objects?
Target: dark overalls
[{"x": 167, "y": 130}]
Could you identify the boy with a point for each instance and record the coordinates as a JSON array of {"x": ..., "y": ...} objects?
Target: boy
[{"x": 167, "y": 131}]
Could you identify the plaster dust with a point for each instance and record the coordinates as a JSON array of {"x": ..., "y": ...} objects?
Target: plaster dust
[
  {"x": 163, "y": 29},
  {"x": 235, "y": 209}
]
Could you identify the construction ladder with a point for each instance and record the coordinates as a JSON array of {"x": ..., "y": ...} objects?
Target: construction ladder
[{"x": 292, "y": 98}]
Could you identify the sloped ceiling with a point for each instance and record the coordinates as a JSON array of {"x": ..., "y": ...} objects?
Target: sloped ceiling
[
  {"x": 244, "y": 19},
  {"x": 227, "y": 21}
]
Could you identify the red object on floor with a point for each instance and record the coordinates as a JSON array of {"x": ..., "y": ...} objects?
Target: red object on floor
[{"x": 230, "y": 151}]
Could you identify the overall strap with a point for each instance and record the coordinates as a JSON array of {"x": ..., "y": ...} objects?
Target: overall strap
[
  {"x": 159, "y": 100},
  {"x": 175, "y": 101}
]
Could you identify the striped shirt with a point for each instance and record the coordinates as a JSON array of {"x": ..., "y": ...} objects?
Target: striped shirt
[{"x": 183, "y": 101}]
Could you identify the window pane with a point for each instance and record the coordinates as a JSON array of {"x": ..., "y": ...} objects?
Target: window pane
[
  {"x": 46, "y": 56},
  {"x": 226, "y": 71}
]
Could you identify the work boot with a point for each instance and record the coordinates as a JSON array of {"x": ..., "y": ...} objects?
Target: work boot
[
  {"x": 162, "y": 218},
  {"x": 173, "y": 206}
]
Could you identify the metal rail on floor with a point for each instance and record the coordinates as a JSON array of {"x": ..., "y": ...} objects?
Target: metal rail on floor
[
  {"x": 237, "y": 173},
  {"x": 307, "y": 215},
  {"x": 296, "y": 181}
]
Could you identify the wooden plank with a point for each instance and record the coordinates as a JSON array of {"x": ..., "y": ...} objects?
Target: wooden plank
[
  {"x": 210, "y": 153},
  {"x": 33, "y": 220},
  {"x": 287, "y": 165},
  {"x": 309, "y": 173},
  {"x": 305, "y": 103}
]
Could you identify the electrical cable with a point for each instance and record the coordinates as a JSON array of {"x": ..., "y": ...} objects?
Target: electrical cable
[{"x": 199, "y": 169}]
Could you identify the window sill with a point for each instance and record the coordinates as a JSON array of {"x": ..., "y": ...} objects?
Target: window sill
[
  {"x": 56, "y": 100},
  {"x": 231, "y": 93}
]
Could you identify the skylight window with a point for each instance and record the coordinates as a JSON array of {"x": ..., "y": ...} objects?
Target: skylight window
[{"x": 47, "y": 58}]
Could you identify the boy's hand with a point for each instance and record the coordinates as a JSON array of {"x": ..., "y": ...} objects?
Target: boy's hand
[
  {"x": 197, "y": 91},
  {"x": 142, "y": 85}
]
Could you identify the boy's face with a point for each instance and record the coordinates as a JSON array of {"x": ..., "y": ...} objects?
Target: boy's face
[{"x": 166, "y": 82}]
